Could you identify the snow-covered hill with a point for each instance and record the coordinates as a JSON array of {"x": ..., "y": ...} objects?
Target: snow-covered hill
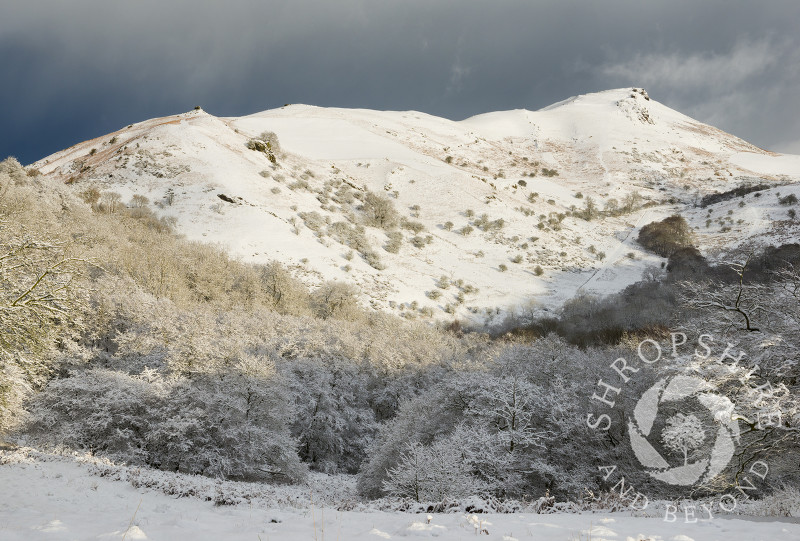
[{"x": 531, "y": 173}]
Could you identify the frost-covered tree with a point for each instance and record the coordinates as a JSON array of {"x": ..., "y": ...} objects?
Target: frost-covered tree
[
  {"x": 111, "y": 201},
  {"x": 230, "y": 425},
  {"x": 411, "y": 476},
  {"x": 432, "y": 472},
  {"x": 39, "y": 293},
  {"x": 418, "y": 420},
  {"x": 333, "y": 420},
  {"x": 508, "y": 405},
  {"x": 516, "y": 420}
]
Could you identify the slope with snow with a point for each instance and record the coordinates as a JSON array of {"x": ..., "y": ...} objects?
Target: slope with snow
[{"x": 526, "y": 168}]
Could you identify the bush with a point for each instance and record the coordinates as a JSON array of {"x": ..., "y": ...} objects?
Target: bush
[
  {"x": 787, "y": 200},
  {"x": 667, "y": 236},
  {"x": 313, "y": 220},
  {"x": 395, "y": 242},
  {"x": 300, "y": 184},
  {"x": 590, "y": 210},
  {"x": 740, "y": 191},
  {"x": 379, "y": 211},
  {"x": 631, "y": 202},
  {"x": 373, "y": 260},
  {"x": 354, "y": 237},
  {"x": 270, "y": 140},
  {"x": 90, "y": 195},
  {"x": 418, "y": 242},
  {"x": 139, "y": 201},
  {"x": 489, "y": 225},
  {"x": 416, "y": 227},
  {"x": 687, "y": 264},
  {"x": 335, "y": 300},
  {"x": 266, "y": 143}
]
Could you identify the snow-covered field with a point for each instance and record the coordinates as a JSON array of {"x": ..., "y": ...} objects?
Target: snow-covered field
[{"x": 48, "y": 497}]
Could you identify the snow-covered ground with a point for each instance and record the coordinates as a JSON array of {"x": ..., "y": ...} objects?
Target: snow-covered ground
[{"x": 47, "y": 497}]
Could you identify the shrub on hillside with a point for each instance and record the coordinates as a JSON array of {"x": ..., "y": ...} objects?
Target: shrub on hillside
[
  {"x": 394, "y": 243},
  {"x": 411, "y": 225},
  {"x": 379, "y": 211},
  {"x": 687, "y": 264},
  {"x": 740, "y": 191},
  {"x": 335, "y": 300},
  {"x": 266, "y": 143},
  {"x": 666, "y": 236}
]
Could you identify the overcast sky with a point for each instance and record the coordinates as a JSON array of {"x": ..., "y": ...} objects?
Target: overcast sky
[{"x": 72, "y": 70}]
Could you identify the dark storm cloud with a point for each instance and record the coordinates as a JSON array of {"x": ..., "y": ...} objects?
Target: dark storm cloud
[{"x": 78, "y": 69}]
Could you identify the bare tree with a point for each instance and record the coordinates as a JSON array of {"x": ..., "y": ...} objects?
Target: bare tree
[
  {"x": 112, "y": 201},
  {"x": 139, "y": 201},
  {"x": 744, "y": 301}
]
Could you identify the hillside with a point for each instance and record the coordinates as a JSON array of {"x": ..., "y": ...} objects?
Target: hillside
[
  {"x": 136, "y": 355},
  {"x": 517, "y": 210}
]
